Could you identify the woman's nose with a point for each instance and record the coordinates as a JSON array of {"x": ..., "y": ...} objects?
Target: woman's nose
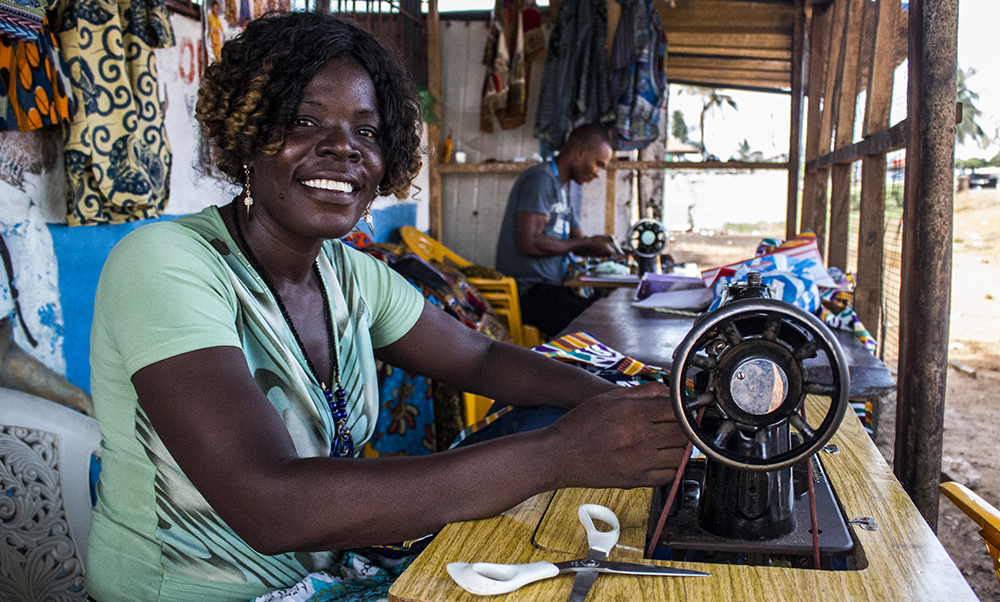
[{"x": 340, "y": 143}]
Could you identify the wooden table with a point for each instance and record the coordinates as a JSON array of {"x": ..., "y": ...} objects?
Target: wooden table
[
  {"x": 629, "y": 282},
  {"x": 902, "y": 560}
]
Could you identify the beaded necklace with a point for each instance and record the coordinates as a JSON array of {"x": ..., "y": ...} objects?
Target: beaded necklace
[{"x": 343, "y": 443}]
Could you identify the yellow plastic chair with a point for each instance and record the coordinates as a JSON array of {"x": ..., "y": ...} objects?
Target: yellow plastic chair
[
  {"x": 429, "y": 249},
  {"x": 501, "y": 294},
  {"x": 981, "y": 511}
]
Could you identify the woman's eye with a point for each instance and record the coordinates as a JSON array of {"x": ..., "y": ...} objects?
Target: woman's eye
[
  {"x": 368, "y": 132},
  {"x": 301, "y": 122}
]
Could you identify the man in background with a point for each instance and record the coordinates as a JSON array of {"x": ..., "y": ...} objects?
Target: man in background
[{"x": 540, "y": 230}]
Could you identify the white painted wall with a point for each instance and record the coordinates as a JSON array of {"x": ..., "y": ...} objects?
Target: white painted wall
[{"x": 31, "y": 195}]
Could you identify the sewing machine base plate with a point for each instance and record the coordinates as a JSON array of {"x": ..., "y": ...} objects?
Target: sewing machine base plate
[{"x": 681, "y": 532}]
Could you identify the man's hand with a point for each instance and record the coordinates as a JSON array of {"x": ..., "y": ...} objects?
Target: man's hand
[{"x": 600, "y": 245}]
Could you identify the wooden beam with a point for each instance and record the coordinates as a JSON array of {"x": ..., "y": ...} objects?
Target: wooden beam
[
  {"x": 707, "y": 48},
  {"x": 868, "y": 292},
  {"x": 500, "y": 167},
  {"x": 610, "y": 202},
  {"x": 840, "y": 175},
  {"x": 434, "y": 129},
  {"x": 795, "y": 126},
  {"x": 812, "y": 186},
  {"x": 925, "y": 284},
  {"x": 707, "y": 62},
  {"x": 879, "y": 143},
  {"x": 878, "y": 103},
  {"x": 773, "y": 41},
  {"x": 725, "y": 15},
  {"x": 761, "y": 79},
  {"x": 620, "y": 165},
  {"x": 834, "y": 60}
]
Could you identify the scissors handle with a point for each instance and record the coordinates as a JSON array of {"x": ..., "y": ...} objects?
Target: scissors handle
[
  {"x": 602, "y": 541},
  {"x": 489, "y": 578}
]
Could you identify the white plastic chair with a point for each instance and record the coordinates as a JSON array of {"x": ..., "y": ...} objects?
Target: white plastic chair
[{"x": 45, "y": 509}]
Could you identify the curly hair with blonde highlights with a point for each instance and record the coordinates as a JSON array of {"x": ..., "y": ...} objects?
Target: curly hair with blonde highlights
[{"x": 248, "y": 98}]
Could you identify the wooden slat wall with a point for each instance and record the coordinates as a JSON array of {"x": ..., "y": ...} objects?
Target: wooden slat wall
[
  {"x": 871, "y": 229},
  {"x": 814, "y": 182},
  {"x": 860, "y": 53},
  {"x": 847, "y": 95}
]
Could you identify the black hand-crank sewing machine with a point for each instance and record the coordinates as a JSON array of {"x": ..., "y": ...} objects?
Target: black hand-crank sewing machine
[{"x": 739, "y": 386}]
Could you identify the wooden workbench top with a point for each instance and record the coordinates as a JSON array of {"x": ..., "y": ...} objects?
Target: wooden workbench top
[{"x": 902, "y": 560}]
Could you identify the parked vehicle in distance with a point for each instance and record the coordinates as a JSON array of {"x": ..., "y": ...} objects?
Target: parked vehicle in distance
[{"x": 983, "y": 180}]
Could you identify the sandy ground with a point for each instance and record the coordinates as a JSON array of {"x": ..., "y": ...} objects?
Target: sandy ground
[
  {"x": 972, "y": 415},
  {"x": 972, "y": 410}
]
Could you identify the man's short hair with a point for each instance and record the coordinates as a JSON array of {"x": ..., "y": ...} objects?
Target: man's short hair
[{"x": 588, "y": 135}]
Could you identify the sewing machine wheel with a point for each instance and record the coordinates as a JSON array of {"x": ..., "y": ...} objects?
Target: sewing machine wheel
[
  {"x": 746, "y": 361},
  {"x": 648, "y": 238}
]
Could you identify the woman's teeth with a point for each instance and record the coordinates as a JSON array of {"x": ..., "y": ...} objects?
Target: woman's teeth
[{"x": 329, "y": 185}]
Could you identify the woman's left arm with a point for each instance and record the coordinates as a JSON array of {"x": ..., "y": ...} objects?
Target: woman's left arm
[{"x": 442, "y": 348}]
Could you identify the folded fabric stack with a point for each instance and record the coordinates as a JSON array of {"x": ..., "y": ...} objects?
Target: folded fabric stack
[{"x": 794, "y": 272}]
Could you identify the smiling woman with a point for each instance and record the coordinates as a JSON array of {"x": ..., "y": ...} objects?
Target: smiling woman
[{"x": 233, "y": 375}]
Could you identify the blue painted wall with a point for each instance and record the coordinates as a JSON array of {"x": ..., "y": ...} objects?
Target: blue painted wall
[{"x": 80, "y": 254}]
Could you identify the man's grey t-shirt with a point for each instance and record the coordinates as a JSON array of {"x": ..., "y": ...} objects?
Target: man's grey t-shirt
[{"x": 537, "y": 190}]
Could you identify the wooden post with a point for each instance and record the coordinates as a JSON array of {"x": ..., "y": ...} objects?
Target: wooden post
[
  {"x": 840, "y": 176},
  {"x": 928, "y": 212},
  {"x": 871, "y": 227},
  {"x": 834, "y": 59},
  {"x": 795, "y": 127},
  {"x": 434, "y": 129},
  {"x": 819, "y": 50},
  {"x": 610, "y": 202}
]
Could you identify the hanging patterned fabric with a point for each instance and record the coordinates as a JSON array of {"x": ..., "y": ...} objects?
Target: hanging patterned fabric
[
  {"x": 574, "y": 81},
  {"x": 516, "y": 38},
  {"x": 116, "y": 149},
  {"x": 638, "y": 74},
  {"x": 35, "y": 92}
]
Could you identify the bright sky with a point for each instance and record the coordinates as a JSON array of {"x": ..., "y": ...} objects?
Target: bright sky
[{"x": 977, "y": 25}]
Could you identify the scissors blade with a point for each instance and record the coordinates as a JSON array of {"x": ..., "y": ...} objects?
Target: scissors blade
[
  {"x": 625, "y": 568},
  {"x": 585, "y": 575},
  {"x": 581, "y": 585}
]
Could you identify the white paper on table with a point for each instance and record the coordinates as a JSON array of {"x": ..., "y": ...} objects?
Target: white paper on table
[{"x": 698, "y": 298}]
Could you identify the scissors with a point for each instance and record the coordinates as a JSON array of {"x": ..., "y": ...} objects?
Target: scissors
[{"x": 488, "y": 579}]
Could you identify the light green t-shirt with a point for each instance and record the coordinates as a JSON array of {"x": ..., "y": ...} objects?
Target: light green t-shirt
[{"x": 174, "y": 287}]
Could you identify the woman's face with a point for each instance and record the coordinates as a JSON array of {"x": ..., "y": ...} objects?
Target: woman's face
[{"x": 328, "y": 170}]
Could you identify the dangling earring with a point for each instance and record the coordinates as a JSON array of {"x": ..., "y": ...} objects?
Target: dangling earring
[
  {"x": 247, "y": 200},
  {"x": 367, "y": 216}
]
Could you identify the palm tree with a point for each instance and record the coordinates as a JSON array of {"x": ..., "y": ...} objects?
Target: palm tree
[
  {"x": 968, "y": 126},
  {"x": 678, "y": 127},
  {"x": 710, "y": 99},
  {"x": 744, "y": 153}
]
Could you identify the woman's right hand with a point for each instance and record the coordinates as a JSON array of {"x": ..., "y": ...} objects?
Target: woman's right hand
[{"x": 624, "y": 438}]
